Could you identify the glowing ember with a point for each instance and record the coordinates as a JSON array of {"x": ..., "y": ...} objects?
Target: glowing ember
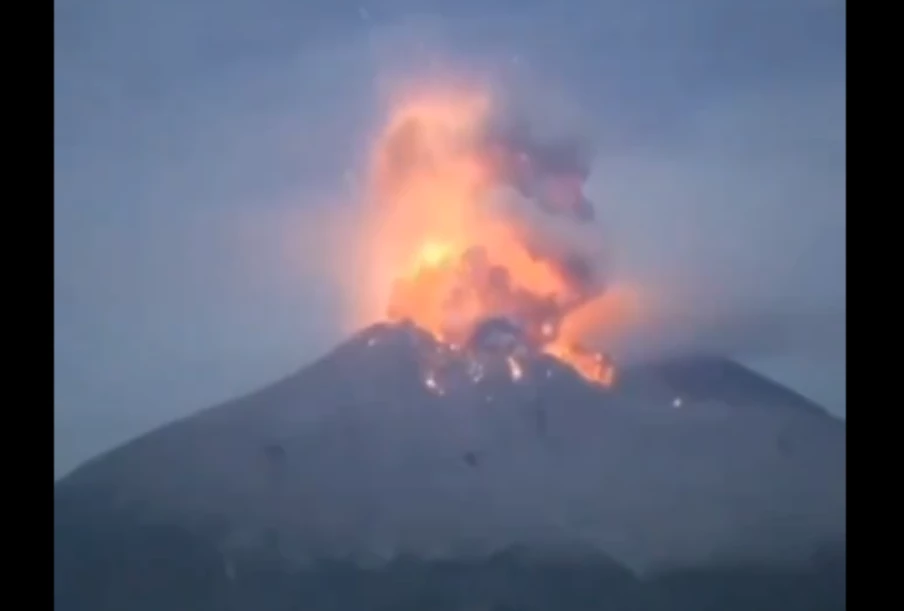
[
  {"x": 455, "y": 255},
  {"x": 594, "y": 366},
  {"x": 548, "y": 330},
  {"x": 515, "y": 369},
  {"x": 432, "y": 385}
]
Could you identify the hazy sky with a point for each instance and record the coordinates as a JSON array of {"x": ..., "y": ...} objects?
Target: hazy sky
[{"x": 199, "y": 144}]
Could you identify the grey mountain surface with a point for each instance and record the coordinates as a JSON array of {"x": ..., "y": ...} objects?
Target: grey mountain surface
[{"x": 353, "y": 468}]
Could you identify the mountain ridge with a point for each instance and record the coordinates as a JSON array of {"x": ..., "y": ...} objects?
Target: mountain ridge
[
  {"x": 689, "y": 462},
  {"x": 364, "y": 413}
]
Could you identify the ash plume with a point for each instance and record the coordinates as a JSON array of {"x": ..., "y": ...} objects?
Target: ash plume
[
  {"x": 448, "y": 158},
  {"x": 549, "y": 172},
  {"x": 550, "y": 175}
]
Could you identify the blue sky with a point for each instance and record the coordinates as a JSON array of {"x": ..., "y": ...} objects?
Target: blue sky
[{"x": 198, "y": 145}]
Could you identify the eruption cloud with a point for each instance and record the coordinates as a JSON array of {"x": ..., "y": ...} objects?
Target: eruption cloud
[{"x": 475, "y": 220}]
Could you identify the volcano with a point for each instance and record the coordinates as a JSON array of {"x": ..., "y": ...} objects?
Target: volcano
[{"x": 392, "y": 474}]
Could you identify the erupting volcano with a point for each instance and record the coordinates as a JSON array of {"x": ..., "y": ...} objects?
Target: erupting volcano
[
  {"x": 481, "y": 236},
  {"x": 453, "y": 453}
]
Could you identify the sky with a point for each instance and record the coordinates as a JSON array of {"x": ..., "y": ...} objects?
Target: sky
[{"x": 203, "y": 150}]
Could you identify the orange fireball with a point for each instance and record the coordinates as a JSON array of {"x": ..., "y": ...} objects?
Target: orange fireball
[{"x": 446, "y": 256}]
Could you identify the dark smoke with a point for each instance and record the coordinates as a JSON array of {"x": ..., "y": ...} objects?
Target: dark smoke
[{"x": 550, "y": 173}]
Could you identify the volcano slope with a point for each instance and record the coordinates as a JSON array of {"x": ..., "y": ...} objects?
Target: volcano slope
[{"x": 367, "y": 481}]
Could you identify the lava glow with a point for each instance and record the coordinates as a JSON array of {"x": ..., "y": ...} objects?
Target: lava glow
[
  {"x": 515, "y": 369},
  {"x": 447, "y": 256}
]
